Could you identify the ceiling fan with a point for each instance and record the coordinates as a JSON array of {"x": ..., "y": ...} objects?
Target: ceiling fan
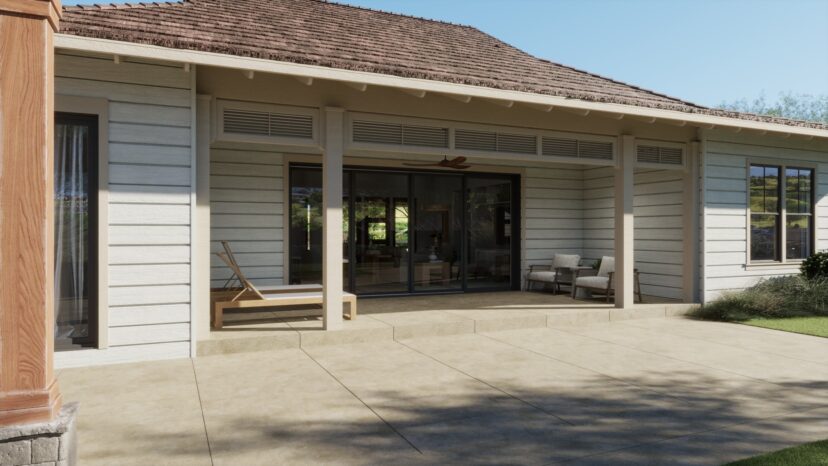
[{"x": 455, "y": 163}]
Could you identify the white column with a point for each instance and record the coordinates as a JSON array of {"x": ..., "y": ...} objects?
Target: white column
[
  {"x": 201, "y": 221},
  {"x": 624, "y": 225},
  {"x": 691, "y": 223},
  {"x": 332, "y": 218}
]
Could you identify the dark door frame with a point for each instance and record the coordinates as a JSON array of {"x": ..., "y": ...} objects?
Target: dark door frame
[
  {"x": 515, "y": 259},
  {"x": 92, "y": 121}
]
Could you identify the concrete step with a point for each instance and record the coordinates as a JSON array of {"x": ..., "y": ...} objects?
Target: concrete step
[{"x": 247, "y": 334}]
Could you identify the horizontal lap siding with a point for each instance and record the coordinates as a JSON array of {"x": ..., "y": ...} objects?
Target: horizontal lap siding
[
  {"x": 248, "y": 210},
  {"x": 725, "y": 208},
  {"x": 599, "y": 213},
  {"x": 658, "y": 206},
  {"x": 149, "y": 203},
  {"x": 552, "y": 213}
]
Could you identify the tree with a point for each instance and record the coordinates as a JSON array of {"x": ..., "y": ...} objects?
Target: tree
[{"x": 789, "y": 105}]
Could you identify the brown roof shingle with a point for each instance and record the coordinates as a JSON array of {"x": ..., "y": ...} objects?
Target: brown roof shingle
[{"x": 341, "y": 36}]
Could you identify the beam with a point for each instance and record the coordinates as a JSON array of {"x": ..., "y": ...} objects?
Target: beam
[
  {"x": 501, "y": 103},
  {"x": 28, "y": 388},
  {"x": 332, "y": 281},
  {"x": 415, "y": 93},
  {"x": 307, "y": 81},
  {"x": 186, "y": 67},
  {"x": 542, "y": 107},
  {"x": 116, "y": 59},
  {"x": 576, "y": 111},
  {"x": 361, "y": 87},
  {"x": 624, "y": 225},
  {"x": 460, "y": 98}
]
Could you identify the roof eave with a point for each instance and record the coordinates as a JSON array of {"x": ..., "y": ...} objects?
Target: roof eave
[{"x": 71, "y": 42}]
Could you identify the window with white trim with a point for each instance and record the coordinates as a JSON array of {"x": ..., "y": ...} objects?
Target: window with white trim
[{"x": 781, "y": 213}]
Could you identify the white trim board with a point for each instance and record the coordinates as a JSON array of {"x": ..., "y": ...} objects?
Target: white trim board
[{"x": 70, "y": 42}]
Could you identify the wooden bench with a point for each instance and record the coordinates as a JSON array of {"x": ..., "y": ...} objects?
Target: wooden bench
[{"x": 284, "y": 299}]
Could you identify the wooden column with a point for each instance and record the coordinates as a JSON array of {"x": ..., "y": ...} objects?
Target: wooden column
[
  {"x": 624, "y": 225},
  {"x": 28, "y": 389},
  {"x": 332, "y": 218}
]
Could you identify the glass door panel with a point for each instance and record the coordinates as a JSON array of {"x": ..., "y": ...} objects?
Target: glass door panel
[
  {"x": 76, "y": 156},
  {"x": 437, "y": 232},
  {"x": 381, "y": 232},
  {"x": 305, "y": 225},
  {"x": 488, "y": 232}
]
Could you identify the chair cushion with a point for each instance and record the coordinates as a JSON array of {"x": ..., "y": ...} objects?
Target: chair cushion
[
  {"x": 607, "y": 266},
  {"x": 592, "y": 282},
  {"x": 566, "y": 260},
  {"x": 541, "y": 276}
]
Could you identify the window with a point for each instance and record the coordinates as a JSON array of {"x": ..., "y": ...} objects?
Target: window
[{"x": 781, "y": 213}]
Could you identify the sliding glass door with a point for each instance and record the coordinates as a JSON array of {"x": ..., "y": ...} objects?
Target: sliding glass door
[
  {"x": 380, "y": 233},
  {"x": 76, "y": 155},
  {"x": 438, "y": 232},
  {"x": 409, "y": 232},
  {"x": 489, "y": 232}
]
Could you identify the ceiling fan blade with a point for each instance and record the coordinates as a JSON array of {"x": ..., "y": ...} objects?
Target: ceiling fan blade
[{"x": 411, "y": 164}]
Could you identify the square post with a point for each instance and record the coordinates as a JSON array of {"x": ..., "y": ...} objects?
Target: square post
[
  {"x": 28, "y": 388},
  {"x": 332, "y": 218},
  {"x": 625, "y": 225},
  {"x": 691, "y": 222}
]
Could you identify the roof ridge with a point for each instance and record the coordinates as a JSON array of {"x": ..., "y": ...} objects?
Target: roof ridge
[
  {"x": 125, "y": 5},
  {"x": 393, "y": 13}
]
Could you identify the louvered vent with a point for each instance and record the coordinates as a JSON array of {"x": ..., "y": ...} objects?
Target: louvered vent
[
  {"x": 573, "y": 148},
  {"x": 475, "y": 140},
  {"x": 660, "y": 155},
  {"x": 517, "y": 143},
  {"x": 397, "y": 134},
  {"x": 268, "y": 124},
  {"x": 495, "y": 142}
]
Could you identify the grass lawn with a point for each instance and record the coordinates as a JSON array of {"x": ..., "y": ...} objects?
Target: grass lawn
[
  {"x": 803, "y": 455},
  {"x": 817, "y": 326}
]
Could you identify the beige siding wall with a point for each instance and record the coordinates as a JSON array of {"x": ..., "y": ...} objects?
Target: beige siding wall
[
  {"x": 659, "y": 231},
  {"x": 725, "y": 210},
  {"x": 247, "y": 209},
  {"x": 552, "y": 210},
  {"x": 599, "y": 213},
  {"x": 149, "y": 204},
  {"x": 658, "y": 225}
]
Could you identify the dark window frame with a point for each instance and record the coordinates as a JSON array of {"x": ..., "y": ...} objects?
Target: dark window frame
[{"x": 781, "y": 213}]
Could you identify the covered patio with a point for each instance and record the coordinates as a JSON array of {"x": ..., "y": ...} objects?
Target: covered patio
[{"x": 388, "y": 319}]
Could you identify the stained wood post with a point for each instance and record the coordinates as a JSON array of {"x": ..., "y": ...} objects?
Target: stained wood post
[
  {"x": 624, "y": 225},
  {"x": 28, "y": 388}
]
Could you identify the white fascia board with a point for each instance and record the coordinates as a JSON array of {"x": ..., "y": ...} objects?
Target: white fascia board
[{"x": 70, "y": 42}]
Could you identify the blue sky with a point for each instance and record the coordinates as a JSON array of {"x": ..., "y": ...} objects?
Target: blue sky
[{"x": 704, "y": 51}]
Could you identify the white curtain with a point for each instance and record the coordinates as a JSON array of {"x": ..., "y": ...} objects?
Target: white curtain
[{"x": 71, "y": 231}]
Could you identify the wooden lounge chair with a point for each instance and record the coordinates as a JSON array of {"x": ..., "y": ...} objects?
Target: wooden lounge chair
[
  {"x": 283, "y": 296},
  {"x": 602, "y": 280}
]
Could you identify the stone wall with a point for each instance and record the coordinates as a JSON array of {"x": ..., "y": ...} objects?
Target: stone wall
[{"x": 44, "y": 444}]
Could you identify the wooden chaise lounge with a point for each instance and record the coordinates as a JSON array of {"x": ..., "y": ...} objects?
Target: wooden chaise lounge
[{"x": 282, "y": 296}]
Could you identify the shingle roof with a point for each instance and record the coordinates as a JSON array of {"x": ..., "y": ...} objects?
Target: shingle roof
[{"x": 334, "y": 35}]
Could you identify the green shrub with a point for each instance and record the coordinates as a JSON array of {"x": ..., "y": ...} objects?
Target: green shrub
[
  {"x": 815, "y": 266},
  {"x": 793, "y": 296}
]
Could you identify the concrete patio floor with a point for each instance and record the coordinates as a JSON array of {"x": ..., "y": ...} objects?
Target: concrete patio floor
[{"x": 647, "y": 391}]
